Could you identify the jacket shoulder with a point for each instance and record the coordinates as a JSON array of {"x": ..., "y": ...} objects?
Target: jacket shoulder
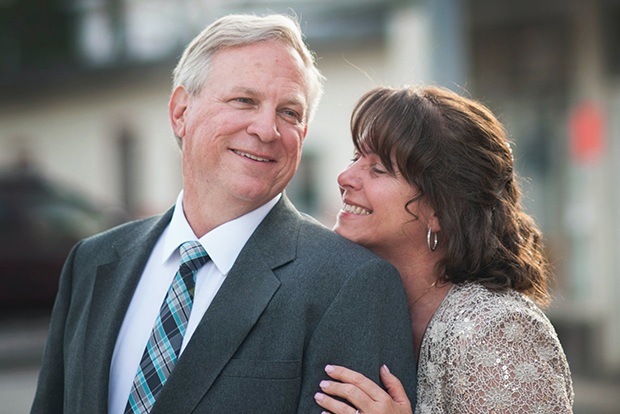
[
  {"x": 124, "y": 236},
  {"x": 315, "y": 236}
]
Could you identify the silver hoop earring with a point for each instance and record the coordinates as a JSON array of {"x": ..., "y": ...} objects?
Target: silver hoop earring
[{"x": 432, "y": 247}]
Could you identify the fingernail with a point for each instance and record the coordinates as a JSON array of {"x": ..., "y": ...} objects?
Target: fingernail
[
  {"x": 318, "y": 396},
  {"x": 329, "y": 368},
  {"x": 386, "y": 368},
  {"x": 324, "y": 384}
]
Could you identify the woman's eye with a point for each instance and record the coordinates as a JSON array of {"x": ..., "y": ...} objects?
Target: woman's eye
[
  {"x": 378, "y": 169},
  {"x": 356, "y": 157}
]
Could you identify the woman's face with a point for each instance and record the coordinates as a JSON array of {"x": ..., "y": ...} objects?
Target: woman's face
[{"x": 374, "y": 211}]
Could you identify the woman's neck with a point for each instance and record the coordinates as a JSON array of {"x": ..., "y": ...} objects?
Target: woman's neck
[
  {"x": 423, "y": 310},
  {"x": 425, "y": 294}
]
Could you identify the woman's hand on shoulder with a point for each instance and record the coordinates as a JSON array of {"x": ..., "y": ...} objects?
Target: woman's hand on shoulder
[{"x": 363, "y": 395}]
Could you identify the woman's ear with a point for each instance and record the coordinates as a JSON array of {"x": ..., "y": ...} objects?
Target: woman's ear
[
  {"x": 176, "y": 109},
  {"x": 433, "y": 223}
]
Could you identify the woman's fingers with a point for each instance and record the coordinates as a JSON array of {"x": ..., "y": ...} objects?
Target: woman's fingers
[
  {"x": 357, "y": 380},
  {"x": 359, "y": 392},
  {"x": 332, "y": 405},
  {"x": 394, "y": 387},
  {"x": 349, "y": 392}
]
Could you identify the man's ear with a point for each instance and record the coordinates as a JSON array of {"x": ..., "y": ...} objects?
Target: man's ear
[{"x": 176, "y": 109}]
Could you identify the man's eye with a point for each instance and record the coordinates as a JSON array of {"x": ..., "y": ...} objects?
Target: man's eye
[
  {"x": 244, "y": 100},
  {"x": 289, "y": 113}
]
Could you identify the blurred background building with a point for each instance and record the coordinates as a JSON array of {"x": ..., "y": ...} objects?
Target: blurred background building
[{"x": 84, "y": 87}]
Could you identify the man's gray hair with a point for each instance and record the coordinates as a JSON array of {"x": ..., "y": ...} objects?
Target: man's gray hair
[{"x": 241, "y": 30}]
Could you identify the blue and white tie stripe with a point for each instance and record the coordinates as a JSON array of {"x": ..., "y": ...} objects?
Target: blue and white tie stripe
[{"x": 164, "y": 345}]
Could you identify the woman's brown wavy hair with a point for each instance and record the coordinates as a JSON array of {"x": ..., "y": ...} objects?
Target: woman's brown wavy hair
[{"x": 455, "y": 152}]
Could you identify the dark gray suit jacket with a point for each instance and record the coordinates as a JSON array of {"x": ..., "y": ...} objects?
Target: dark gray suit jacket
[{"x": 298, "y": 297}]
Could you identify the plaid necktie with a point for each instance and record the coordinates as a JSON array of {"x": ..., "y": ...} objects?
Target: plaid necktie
[{"x": 162, "y": 349}]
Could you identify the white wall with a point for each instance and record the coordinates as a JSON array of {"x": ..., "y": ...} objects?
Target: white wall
[
  {"x": 72, "y": 139},
  {"x": 71, "y": 136}
]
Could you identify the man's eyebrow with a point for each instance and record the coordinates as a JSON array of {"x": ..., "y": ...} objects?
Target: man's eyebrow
[
  {"x": 296, "y": 99},
  {"x": 245, "y": 90}
]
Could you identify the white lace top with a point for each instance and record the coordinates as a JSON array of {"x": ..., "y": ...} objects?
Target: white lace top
[{"x": 486, "y": 352}]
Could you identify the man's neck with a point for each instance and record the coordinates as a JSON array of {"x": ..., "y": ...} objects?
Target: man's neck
[{"x": 204, "y": 216}]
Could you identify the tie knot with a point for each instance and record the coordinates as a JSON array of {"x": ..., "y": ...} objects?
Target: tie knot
[{"x": 193, "y": 255}]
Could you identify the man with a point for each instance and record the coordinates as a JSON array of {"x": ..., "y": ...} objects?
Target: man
[{"x": 277, "y": 298}]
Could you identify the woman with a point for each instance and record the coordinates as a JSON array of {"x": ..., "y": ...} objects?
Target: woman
[{"x": 432, "y": 189}]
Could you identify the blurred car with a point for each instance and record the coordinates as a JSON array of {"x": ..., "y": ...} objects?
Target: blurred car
[{"x": 39, "y": 223}]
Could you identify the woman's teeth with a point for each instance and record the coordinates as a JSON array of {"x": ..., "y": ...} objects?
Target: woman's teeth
[{"x": 354, "y": 209}]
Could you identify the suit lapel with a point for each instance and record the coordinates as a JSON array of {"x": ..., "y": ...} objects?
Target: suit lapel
[
  {"x": 241, "y": 300},
  {"x": 113, "y": 289}
]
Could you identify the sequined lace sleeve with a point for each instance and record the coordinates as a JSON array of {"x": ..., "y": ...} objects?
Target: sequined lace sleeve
[{"x": 498, "y": 355}]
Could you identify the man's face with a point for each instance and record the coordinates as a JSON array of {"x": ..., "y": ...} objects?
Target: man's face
[{"x": 242, "y": 134}]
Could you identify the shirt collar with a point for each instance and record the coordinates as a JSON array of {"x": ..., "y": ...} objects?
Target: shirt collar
[{"x": 223, "y": 243}]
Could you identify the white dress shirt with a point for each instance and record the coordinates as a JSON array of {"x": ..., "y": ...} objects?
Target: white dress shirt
[{"x": 223, "y": 244}]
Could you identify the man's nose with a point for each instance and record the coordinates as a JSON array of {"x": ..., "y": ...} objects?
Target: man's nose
[{"x": 264, "y": 125}]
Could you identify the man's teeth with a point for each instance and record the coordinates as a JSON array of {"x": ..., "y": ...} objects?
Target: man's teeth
[
  {"x": 250, "y": 156},
  {"x": 354, "y": 209}
]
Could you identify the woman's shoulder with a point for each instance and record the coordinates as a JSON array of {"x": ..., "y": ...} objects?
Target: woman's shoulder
[
  {"x": 472, "y": 312},
  {"x": 473, "y": 301},
  {"x": 501, "y": 335}
]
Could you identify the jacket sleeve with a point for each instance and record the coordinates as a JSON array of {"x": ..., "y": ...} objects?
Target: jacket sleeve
[
  {"x": 50, "y": 392},
  {"x": 367, "y": 325}
]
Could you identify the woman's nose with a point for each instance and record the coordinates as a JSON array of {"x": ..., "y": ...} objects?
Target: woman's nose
[{"x": 348, "y": 178}]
